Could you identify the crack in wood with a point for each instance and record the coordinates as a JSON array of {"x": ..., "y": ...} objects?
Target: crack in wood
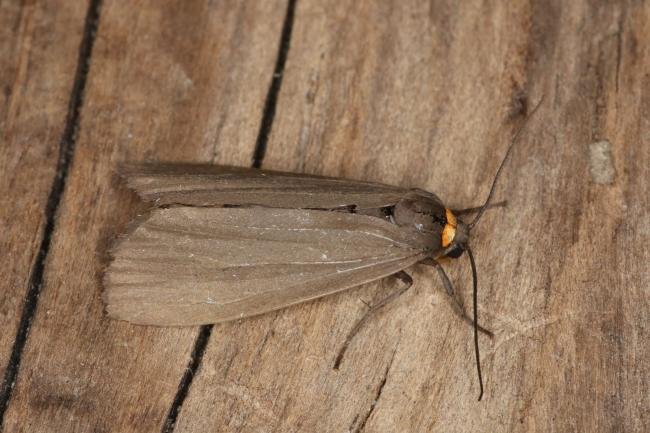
[
  {"x": 373, "y": 404},
  {"x": 186, "y": 381},
  {"x": 619, "y": 46},
  {"x": 66, "y": 151},
  {"x": 274, "y": 90}
]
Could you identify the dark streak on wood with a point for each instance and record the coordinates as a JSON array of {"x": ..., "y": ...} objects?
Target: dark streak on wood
[
  {"x": 186, "y": 381},
  {"x": 274, "y": 89},
  {"x": 375, "y": 401},
  {"x": 66, "y": 151}
]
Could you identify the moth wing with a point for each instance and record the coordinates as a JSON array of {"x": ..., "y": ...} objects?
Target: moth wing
[
  {"x": 190, "y": 266},
  {"x": 208, "y": 185}
]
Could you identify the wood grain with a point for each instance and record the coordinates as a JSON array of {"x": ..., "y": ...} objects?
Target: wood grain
[
  {"x": 168, "y": 81},
  {"x": 408, "y": 93},
  {"x": 39, "y": 45},
  {"x": 427, "y": 95}
]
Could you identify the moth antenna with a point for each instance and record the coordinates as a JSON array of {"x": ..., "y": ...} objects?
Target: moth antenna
[
  {"x": 505, "y": 158},
  {"x": 475, "y": 302}
]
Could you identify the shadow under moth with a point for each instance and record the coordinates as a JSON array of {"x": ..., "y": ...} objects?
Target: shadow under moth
[{"x": 225, "y": 243}]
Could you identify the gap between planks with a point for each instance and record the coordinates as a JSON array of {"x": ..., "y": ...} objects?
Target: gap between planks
[{"x": 66, "y": 152}]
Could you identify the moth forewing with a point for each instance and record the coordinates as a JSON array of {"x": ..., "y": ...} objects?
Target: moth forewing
[
  {"x": 196, "y": 265},
  {"x": 203, "y": 185}
]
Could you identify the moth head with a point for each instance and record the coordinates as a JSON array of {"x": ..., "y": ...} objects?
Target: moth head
[{"x": 455, "y": 236}]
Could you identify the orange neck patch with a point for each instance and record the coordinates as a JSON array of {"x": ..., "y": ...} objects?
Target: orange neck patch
[{"x": 449, "y": 231}]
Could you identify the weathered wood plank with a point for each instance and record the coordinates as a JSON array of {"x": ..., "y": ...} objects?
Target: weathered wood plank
[
  {"x": 168, "y": 81},
  {"x": 39, "y": 46},
  {"x": 427, "y": 95}
]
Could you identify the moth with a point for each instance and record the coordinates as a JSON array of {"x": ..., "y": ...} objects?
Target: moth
[{"x": 224, "y": 243}]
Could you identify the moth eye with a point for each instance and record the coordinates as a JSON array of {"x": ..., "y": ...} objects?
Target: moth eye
[{"x": 455, "y": 252}]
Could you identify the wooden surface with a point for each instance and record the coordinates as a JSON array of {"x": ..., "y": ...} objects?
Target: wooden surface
[
  {"x": 408, "y": 93},
  {"x": 39, "y": 46}
]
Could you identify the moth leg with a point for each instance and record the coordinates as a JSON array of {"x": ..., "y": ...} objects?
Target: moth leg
[
  {"x": 408, "y": 282},
  {"x": 476, "y": 209},
  {"x": 457, "y": 304}
]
